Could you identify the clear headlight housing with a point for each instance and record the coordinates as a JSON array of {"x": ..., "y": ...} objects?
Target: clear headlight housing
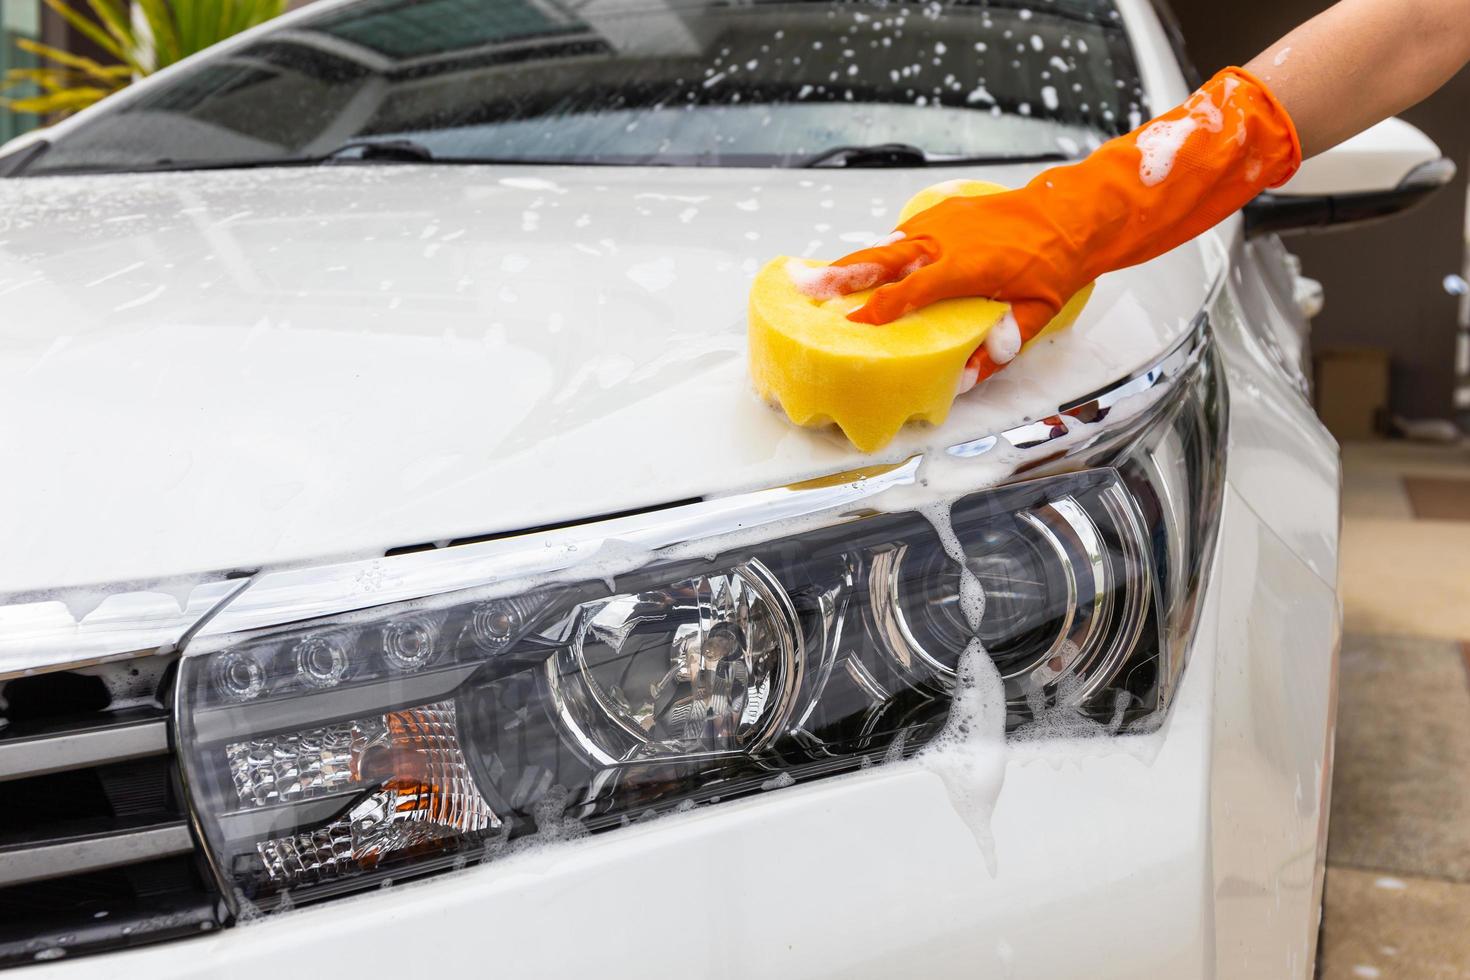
[{"x": 326, "y": 752}]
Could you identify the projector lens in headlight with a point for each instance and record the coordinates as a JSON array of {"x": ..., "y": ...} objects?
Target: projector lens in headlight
[
  {"x": 709, "y": 664},
  {"x": 1066, "y": 586},
  {"x": 325, "y": 754}
]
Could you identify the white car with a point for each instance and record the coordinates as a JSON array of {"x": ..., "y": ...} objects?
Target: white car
[{"x": 384, "y": 502}]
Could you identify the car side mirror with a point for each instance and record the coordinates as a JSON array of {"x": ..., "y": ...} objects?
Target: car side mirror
[{"x": 1382, "y": 171}]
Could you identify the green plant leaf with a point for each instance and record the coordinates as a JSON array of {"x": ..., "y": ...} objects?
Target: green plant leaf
[
  {"x": 87, "y": 65},
  {"x": 175, "y": 30},
  {"x": 61, "y": 103},
  {"x": 248, "y": 13},
  {"x": 186, "y": 20},
  {"x": 102, "y": 38},
  {"x": 116, "y": 22},
  {"x": 164, "y": 29},
  {"x": 222, "y": 18},
  {"x": 48, "y": 78}
]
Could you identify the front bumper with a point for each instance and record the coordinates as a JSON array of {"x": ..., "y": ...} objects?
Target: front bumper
[{"x": 1191, "y": 852}]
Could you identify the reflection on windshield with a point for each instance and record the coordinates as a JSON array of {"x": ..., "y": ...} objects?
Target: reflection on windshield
[{"x": 636, "y": 81}]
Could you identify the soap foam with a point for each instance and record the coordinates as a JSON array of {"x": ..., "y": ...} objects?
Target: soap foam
[
  {"x": 1161, "y": 141},
  {"x": 831, "y": 281},
  {"x": 1063, "y": 720},
  {"x": 1160, "y": 144},
  {"x": 779, "y": 781},
  {"x": 972, "y": 594},
  {"x": 969, "y": 754},
  {"x": 1003, "y": 342}
]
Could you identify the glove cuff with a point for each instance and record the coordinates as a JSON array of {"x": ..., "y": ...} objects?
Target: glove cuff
[{"x": 1283, "y": 123}]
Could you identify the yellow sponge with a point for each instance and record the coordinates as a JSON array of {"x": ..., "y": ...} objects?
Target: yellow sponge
[{"x": 822, "y": 368}]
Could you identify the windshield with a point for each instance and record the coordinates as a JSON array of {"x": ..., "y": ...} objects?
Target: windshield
[{"x": 633, "y": 82}]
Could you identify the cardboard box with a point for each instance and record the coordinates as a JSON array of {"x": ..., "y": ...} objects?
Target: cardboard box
[{"x": 1351, "y": 391}]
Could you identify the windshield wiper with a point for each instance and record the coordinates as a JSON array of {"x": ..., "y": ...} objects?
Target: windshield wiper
[
  {"x": 908, "y": 155},
  {"x": 372, "y": 151},
  {"x": 390, "y": 151},
  {"x": 876, "y": 155}
]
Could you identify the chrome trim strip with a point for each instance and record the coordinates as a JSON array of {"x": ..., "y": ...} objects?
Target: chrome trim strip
[
  {"x": 80, "y": 748},
  {"x": 47, "y": 635},
  {"x": 22, "y": 863},
  {"x": 32, "y": 638},
  {"x": 577, "y": 552},
  {"x": 1096, "y": 405}
]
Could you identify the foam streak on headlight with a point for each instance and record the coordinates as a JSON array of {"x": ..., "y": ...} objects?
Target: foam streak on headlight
[{"x": 322, "y": 754}]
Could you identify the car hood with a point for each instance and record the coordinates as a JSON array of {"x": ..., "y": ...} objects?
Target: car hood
[{"x": 235, "y": 369}]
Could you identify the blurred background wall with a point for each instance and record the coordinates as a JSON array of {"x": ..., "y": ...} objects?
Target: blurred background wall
[
  {"x": 18, "y": 19},
  {"x": 1385, "y": 283}
]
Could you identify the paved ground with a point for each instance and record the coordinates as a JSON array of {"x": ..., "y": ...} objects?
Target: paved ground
[{"x": 1398, "y": 856}]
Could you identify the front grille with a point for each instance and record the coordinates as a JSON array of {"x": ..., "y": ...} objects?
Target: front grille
[{"x": 95, "y": 848}]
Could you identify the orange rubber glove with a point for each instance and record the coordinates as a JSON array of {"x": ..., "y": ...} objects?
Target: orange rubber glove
[{"x": 1136, "y": 197}]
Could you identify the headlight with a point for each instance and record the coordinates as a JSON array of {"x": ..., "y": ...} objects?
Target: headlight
[{"x": 459, "y": 709}]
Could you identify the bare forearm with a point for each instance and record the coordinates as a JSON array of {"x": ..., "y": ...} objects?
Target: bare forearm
[{"x": 1361, "y": 61}]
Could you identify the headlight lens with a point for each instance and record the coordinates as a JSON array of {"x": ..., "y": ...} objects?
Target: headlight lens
[
  {"x": 707, "y": 665},
  {"x": 326, "y": 754},
  {"x": 1065, "y": 582}
]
